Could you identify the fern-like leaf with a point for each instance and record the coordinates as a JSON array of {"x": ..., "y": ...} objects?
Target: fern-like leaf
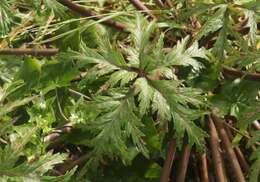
[
  {"x": 252, "y": 24},
  {"x": 6, "y": 16},
  {"x": 178, "y": 99},
  {"x": 214, "y": 23},
  {"x": 145, "y": 96},
  {"x": 182, "y": 56},
  {"x": 114, "y": 127}
]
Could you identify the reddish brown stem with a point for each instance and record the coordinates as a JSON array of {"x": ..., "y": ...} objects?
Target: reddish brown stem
[
  {"x": 228, "y": 148},
  {"x": 233, "y": 73},
  {"x": 204, "y": 176},
  {"x": 241, "y": 158},
  {"x": 70, "y": 164},
  {"x": 159, "y": 3},
  {"x": 167, "y": 167},
  {"x": 182, "y": 168},
  {"x": 245, "y": 30},
  {"x": 217, "y": 159},
  {"x": 81, "y": 11},
  {"x": 169, "y": 3},
  {"x": 57, "y": 133},
  {"x": 246, "y": 135},
  {"x": 256, "y": 125},
  {"x": 140, "y": 6},
  {"x": 27, "y": 51}
]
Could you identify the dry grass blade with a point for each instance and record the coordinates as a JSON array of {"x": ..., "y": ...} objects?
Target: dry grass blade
[{"x": 25, "y": 24}]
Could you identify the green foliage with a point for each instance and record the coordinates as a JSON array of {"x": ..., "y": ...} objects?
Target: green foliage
[
  {"x": 151, "y": 93},
  {"x": 6, "y": 16},
  {"x": 123, "y": 93},
  {"x": 252, "y": 24},
  {"x": 180, "y": 55},
  {"x": 213, "y": 23},
  {"x": 255, "y": 168}
]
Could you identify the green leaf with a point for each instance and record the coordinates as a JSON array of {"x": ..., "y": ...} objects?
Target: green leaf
[
  {"x": 107, "y": 61},
  {"x": 153, "y": 137},
  {"x": 249, "y": 60},
  {"x": 179, "y": 99},
  {"x": 10, "y": 106},
  {"x": 113, "y": 128},
  {"x": 145, "y": 94},
  {"x": 65, "y": 178},
  {"x": 220, "y": 43},
  {"x": 47, "y": 162},
  {"x": 153, "y": 171},
  {"x": 252, "y": 24},
  {"x": 141, "y": 32},
  {"x": 56, "y": 7},
  {"x": 6, "y": 18},
  {"x": 30, "y": 72},
  {"x": 122, "y": 75},
  {"x": 109, "y": 53},
  {"x": 238, "y": 98},
  {"x": 183, "y": 124},
  {"x": 255, "y": 138},
  {"x": 160, "y": 105},
  {"x": 255, "y": 168},
  {"x": 56, "y": 74},
  {"x": 214, "y": 23},
  {"x": 34, "y": 170},
  {"x": 182, "y": 56}
]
